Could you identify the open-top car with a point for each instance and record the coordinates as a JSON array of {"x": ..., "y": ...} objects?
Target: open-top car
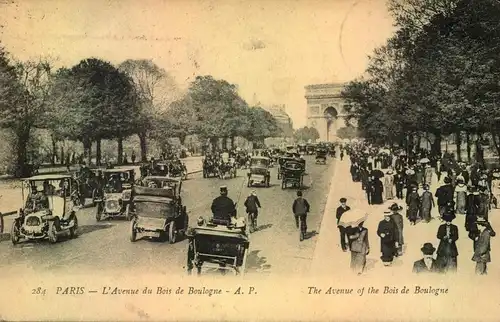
[
  {"x": 310, "y": 148},
  {"x": 321, "y": 156},
  {"x": 158, "y": 210},
  {"x": 47, "y": 211},
  {"x": 219, "y": 246},
  {"x": 259, "y": 171},
  {"x": 293, "y": 173},
  {"x": 117, "y": 194}
]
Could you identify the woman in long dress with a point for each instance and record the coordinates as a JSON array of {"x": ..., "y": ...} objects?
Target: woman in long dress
[
  {"x": 426, "y": 204},
  {"x": 359, "y": 246},
  {"x": 385, "y": 231},
  {"x": 460, "y": 195},
  {"x": 377, "y": 190},
  {"x": 413, "y": 205},
  {"x": 389, "y": 185}
]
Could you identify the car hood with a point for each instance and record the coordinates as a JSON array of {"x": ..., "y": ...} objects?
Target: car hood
[
  {"x": 113, "y": 196},
  {"x": 38, "y": 213},
  {"x": 258, "y": 170}
]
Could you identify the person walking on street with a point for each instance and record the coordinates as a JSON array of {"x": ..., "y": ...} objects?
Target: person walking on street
[
  {"x": 482, "y": 247},
  {"x": 252, "y": 204},
  {"x": 426, "y": 264},
  {"x": 341, "y": 154},
  {"x": 359, "y": 246},
  {"x": 427, "y": 204},
  {"x": 413, "y": 205},
  {"x": 443, "y": 195},
  {"x": 447, "y": 250},
  {"x": 300, "y": 210},
  {"x": 397, "y": 218},
  {"x": 342, "y": 230},
  {"x": 385, "y": 231}
]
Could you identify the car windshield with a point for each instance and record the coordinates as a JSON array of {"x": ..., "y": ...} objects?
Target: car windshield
[
  {"x": 153, "y": 209},
  {"x": 259, "y": 163},
  {"x": 293, "y": 166},
  {"x": 46, "y": 194}
]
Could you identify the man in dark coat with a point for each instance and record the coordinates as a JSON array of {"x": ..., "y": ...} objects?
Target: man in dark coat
[
  {"x": 413, "y": 205},
  {"x": 252, "y": 204},
  {"x": 399, "y": 181},
  {"x": 340, "y": 211},
  {"x": 444, "y": 194},
  {"x": 447, "y": 250},
  {"x": 397, "y": 218},
  {"x": 482, "y": 248},
  {"x": 368, "y": 190},
  {"x": 385, "y": 231},
  {"x": 300, "y": 209},
  {"x": 377, "y": 190},
  {"x": 426, "y": 264},
  {"x": 223, "y": 207}
]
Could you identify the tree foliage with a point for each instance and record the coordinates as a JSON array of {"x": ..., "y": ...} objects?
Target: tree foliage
[{"x": 306, "y": 134}]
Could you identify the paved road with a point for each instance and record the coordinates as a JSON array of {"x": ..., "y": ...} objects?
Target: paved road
[{"x": 275, "y": 248}]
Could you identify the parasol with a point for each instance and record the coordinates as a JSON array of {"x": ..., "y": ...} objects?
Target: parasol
[
  {"x": 425, "y": 160},
  {"x": 352, "y": 218}
]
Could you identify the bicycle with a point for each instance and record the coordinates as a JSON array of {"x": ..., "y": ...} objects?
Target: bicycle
[
  {"x": 252, "y": 219},
  {"x": 302, "y": 226}
]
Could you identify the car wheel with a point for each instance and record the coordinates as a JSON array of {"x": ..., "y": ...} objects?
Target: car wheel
[
  {"x": 172, "y": 234},
  {"x": 52, "y": 234},
  {"x": 73, "y": 231},
  {"x": 133, "y": 232},
  {"x": 14, "y": 234}
]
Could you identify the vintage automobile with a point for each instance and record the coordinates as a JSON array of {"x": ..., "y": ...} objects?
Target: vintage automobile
[
  {"x": 310, "y": 149},
  {"x": 48, "y": 211},
  {"x": 259, "y": 172},
  {"x": 302, "y": 148},
  {"x": 217, "y": 245},
  {"x": 321, "y": 156},
  {"x": 117, "y": 194},
  {"x": 177, "y": 169},
  {"x": 293, "y": 173},
  {"x": 227, "y": 169},
  {"x": 210, "y": 168},
  {"x": 158, "y": 210}
]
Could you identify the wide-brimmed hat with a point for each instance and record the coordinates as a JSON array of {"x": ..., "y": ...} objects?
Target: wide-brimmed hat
[
  {"x": 342, "y": 200},
  {"x": 428, "y": 249},
  {"x": 449, "y": 217},
  {"x": 387, "y": 213},
  {"x": 390, "y": 172},
  {"x": 447, "y": 180},
  {"x": 395, "y": 207}
]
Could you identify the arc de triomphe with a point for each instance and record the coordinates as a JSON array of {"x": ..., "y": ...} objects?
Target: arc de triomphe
[{"x": 325, "y": 109}]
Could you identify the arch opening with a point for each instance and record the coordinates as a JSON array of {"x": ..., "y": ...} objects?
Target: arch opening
[{"x": 330, "y": 114}]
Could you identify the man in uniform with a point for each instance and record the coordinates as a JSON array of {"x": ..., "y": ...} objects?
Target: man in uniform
[{"x": 223, "y": 208}]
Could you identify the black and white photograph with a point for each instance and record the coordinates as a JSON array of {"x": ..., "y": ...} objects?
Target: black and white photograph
[{"x": 307, "y": 160}]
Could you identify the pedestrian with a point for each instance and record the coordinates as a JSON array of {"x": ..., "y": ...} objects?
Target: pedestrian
[
  {"x": 447, "y": 250},
  {"x": 133, "y": 157},
  {"x": 460, "y": 195},
  {"x": 412, "y": 205},
  {"x": 341, "y": 154},
  {"x": 472, "y": 204},
  {"x": 443, "y": 195},
  {"x": 377, "y": 191},
  {"x": 342, "y": 230},
  {"x": 300, "y": 210},
  {"x": 428, "y": 174},
  {"x": 484, "y": 202},
  {"x": 426, "y": 264},
  {"x": 389, "y": 185},
  {"x": 385, "y": 231},
  {"x": 426, "y": 204},
  {"x": 482, "y": 247},
  {"x": 397, "y": 218},
  {"x": 438, "y": 169},
  {"x": 359, "y": 246},
  {"x": 252, "y": 205},
  {"x": 369, "y": 190},
  {"x": 399, "y": 180}
]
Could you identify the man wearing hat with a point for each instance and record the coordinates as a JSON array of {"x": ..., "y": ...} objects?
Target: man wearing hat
[
  {"x": 413, "y": 205},
  {"x": 444, "y": 194},
  {"x": 397, "y": 218},
  {"x": 484, "y": 202},
  {"x": 300, "y": 210},
  {"x": 426, "y": 264},
  {"x": 386, "y": 229},
  {"x": 223, "y": 207},
  {"x": 252, "y": 204},
  {"x": 447, "y": 250},
  {"x": 427, "y": 204},
  {"x": 340, "y": 211},
  {"x": 481, "y": 236}
]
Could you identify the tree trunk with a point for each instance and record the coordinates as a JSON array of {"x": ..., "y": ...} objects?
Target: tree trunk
[
  {"x": 22, "y": 139},
  {"x": 496, "y": 142},
  {"x": 459, "y": 145},
  {"x": 62, "y": 155},
  {"x": 120, "y": 151},
  {"x": 54, "y": 150},
  {"x": 144, "y": 147},
  {"x": 98, "y": 153},
  {"x": 233, "y": 142},
  {"x": 419, "y": 141},
  {"x": 469, "y": 155},
  {"x": 87, "y": 150},
  {"x": 436, "y": 145},
  {"x": 182, "y": 139}
]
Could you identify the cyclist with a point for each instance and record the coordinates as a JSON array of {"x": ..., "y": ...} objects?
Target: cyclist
[
  {"x": 252, "y": 204},
  {"x": 300, "y": 209}
]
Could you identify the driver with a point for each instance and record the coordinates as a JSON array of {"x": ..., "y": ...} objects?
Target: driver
[
  {"x": 223, "y": 208},
  {"x": 115, "y": 183},
  {"x": 41, "y": 200}
]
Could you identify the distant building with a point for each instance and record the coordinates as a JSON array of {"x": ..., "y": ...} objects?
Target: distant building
[
  {"x": 282, "y": 119},
  {"x": 325, "y": 109}
]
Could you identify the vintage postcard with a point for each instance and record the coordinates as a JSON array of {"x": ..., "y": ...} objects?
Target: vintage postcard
[{"x": 257, "y": 160}]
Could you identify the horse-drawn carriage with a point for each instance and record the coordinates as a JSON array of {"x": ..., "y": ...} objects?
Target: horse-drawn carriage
[
  {"x": 292, "y": 173},
  {"x": 210, "y": 168},
  {"x": 259, "y": 171},
  {"x": 217, "y": 245},
  {"x": 227, "y": 169},
  {"x": 158, "y": 210}
]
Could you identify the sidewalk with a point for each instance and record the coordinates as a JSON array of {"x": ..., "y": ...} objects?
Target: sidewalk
[{"x": 330, "y": 260}]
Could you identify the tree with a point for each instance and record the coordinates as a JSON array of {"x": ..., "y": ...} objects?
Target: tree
[
  {"x": 347, "y": 132},
  {"x": 156, "y": 90},
  {"x": 305, "y": 134},
  {"x": 260, "y": 125}
]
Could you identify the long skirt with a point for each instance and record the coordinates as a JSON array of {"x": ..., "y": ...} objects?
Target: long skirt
[
  {"x": 461, "y": 197},
  {"x": 358, "y": 262},
  {"x": 389, "y": 192},
  {"x": 388, "y": 250},
  {"x": 426, "y": 214},
  {"x": 412, "y": 213},
  {"x": 447, "y": 263}
]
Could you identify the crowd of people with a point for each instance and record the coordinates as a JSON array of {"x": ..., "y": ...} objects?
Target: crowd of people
[{"x": 390, "y": 175}]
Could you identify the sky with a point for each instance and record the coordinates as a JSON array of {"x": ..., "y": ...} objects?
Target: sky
[{"x": 271, "y": 49}]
